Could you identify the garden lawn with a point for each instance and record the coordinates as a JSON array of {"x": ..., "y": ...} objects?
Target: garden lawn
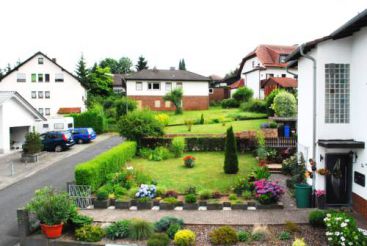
[
  {"x": 218, "y": 128},
  {"x": 206, "y": 175},
  {"x": 210, "y": 114}
]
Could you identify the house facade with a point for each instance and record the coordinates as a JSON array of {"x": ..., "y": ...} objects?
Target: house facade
[
  {"x": 47, "y": 86},
  {"x": 149, "y": 86},
  {"x": 17, "y": 118},
  {"x": 332, "y": 120},
  {"x": 264, "y": 62}
]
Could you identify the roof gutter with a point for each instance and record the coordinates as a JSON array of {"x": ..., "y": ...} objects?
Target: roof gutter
[{"x": 314, "y": 99}]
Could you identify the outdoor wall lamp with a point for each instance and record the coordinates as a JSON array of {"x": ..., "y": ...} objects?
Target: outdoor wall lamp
[
  {"x": 321, "y": 158},
  {"x": 354, "y": 156}
]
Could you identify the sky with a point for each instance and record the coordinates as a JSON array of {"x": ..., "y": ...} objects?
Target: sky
[{"x": 211, "y": 35}]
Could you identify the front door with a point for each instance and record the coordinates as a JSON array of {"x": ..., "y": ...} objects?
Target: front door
[{"x": 338, "y": 182}]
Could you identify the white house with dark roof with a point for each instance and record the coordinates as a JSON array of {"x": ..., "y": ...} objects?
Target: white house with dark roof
[
  {"x": 149, "y": 86},
  {"x": 46, "y": 85},
  {"x": 262, "y": 63},
  {"x": 17, "y": 118},
  {"x": 332, "y": 119}
]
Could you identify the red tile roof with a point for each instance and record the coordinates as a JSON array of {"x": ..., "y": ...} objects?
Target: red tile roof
[
  {"x": 69, "y": 110},
  {"x": 237, "y": 84},
  {"x": 269, "y": 54},
  {"x": 281, "y": 81}
]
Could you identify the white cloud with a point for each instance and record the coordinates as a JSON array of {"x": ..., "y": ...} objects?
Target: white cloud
[{"x": 211, "y": 35}]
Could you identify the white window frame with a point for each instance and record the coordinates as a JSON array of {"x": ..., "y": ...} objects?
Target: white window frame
[
  {"x": 34, "y": 94},
  {"x": 157, "y": 103},
  {"x": 138, "y": 85},
  {"x": 40, "y": 110},
  {"x": 40, "y": 60},
  {"x": 151, "y": 85},
  {"x": 47, "y": 111},
  {"x": 47, "y": 94},
  {"x": 168, "y": 86},
  {"x": 40, "y": 94},
  {"x": 59, "y": 77},
  {"x": 21, "y": 77},
  {"x": 179, "y": 85},
  {"x": 59, "y": 126}
]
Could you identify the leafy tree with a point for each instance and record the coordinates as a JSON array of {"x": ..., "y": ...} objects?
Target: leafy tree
[
  {"x": 82, "y": 72},
  {"x": 124, "y": 105},
  {"x": 270, "y": 100},
  {"x": 243, "y": 94},
  {"x": 100, "y": 81},
  {"x": 285, "y": 104},
  {"x": 141, "y": 64},
  {"x": 230, "y": 158},
  {"x": 123, "y": 65},
  {"x": 182, "y": 65},
  {"x": 175, "y": 96},
  {"x": 1, "y": 73},
  {"x": 8, "y": 68},
  {"x": 139, "y": 124},
  {"x": 231, "y": 73}
]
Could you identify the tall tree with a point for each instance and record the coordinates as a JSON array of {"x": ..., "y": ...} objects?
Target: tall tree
[
  {"x": 8, "y": 68},
  {"x": 1, "y": 73},
  {"x": 82, "y": 72},
  {"x": 231, "y": 73},
  {"x": 182, "y": 65},
  {"x": 175, "y": 96},
  {"x": 141, "y": 64},
  {"x": 123, "y": 65},
  {"x": 100, "y": 81},
  {"x": 230, "y": 158}
]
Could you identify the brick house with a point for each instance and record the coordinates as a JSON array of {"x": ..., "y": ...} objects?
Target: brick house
[
  {"x": 272, "y": 83},
  {"x": 149, "y": 86}
]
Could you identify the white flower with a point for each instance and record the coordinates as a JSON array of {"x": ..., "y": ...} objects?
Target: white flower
[
  {"x": 329, "y": 239},
  {"x": 337, "y": 233},
  {"x": 343, "y": 239},
  {"x": 342, "y": 244},
  {"x": 328, "y": 215},
  {"x": 129, "y": 168},
  {"x": 346, "y": 221},
  {"x": 328, "y": 225},
  {"x": 350, "y": 243},
  {"x": 343, "y": 224},
  {"x": 338, "y": 218}
]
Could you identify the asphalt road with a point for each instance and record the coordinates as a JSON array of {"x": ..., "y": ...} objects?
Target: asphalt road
[{"x": 56, "y": 175}]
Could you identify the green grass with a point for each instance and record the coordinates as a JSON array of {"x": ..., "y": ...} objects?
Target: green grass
[
  {"x": 212, "y": 113},
  {"x": 207, "y": 173},
  {"x": 218, "y": 128}
]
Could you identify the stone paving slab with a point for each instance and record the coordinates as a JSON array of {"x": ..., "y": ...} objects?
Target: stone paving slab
[{"x": 234, "y": 217}]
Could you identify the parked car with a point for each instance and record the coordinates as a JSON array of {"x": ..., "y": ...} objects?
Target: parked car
[
  {"x": 57, "y": 140},
  {"x": 84, "y": 135}
]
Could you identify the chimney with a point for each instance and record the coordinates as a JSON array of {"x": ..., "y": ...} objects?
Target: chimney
[
  {"x": 155, "y": 69},
  {"x": 172, "y": 68},
  {"x": 54, "y": 60}
]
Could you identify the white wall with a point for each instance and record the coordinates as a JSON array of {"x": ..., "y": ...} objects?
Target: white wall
[
  {"x": 189, "y": 88},
  {"x": 69, "y": 93},
  {"x": 351, "y": 50}
]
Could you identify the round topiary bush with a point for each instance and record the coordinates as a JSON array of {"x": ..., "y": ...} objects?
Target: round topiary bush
[
  {"x": 224, "y": 235},
  {"x": 285, "y": 104},
  {"x": 316, "y": 218},
  {"x": 190, "y": 198},
  {"x": 184, "y": 238}
]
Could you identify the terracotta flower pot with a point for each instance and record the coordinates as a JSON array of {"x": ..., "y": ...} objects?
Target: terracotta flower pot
[{"x": 52, "y": 231}]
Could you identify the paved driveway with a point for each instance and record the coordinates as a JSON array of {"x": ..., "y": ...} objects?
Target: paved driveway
[{"x": 56, "y": 175}]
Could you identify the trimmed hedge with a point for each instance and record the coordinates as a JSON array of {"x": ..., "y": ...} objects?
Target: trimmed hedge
[
  {"x": 202, "y": 143},
  {"x": 95, "y": 171},
  {"x": 90, "y": 119}
]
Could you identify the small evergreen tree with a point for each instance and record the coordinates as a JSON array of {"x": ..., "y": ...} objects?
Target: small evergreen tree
[
  {"x": 230, "y": 158},
  {"x": 82, "y": 72},
  {"x": 141, "y": 64},
  {"x": 33, "y": 143},
  {"x": 182, "y": 65},
  {"x": 175, "y": 96}
]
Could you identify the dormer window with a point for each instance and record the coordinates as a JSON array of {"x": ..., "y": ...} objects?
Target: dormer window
[
  {"x": 282, "y": 58},
  {"x": 40, "y": 60}
]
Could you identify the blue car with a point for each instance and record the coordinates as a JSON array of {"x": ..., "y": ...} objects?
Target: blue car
[{"x": 84, "y": 135}]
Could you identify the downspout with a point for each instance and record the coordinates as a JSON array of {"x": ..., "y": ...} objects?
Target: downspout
[
  {"x": 314, "y": 108},
  {"x": 287, "y": 70}
]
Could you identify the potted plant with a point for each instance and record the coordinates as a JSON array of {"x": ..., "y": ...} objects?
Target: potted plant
[
  {"x": 189, "y": 161},
  {"x": 320, "y": 198},
  {"x": 145, "y": 194},
  {"x": 267, "y": 192},
  {"x": 101, "y": 200},
  {"x": 52, "y": 209},
  {"x": 168, "y": 203},
  {"x": 32, "y": 147},
  {"x": 144, "y": 203},
  {"x": 123, "y": 202},
  {"x": 323, "y": 171},
  {"x": 214, "y": 204},
  {"x": 190, "y": 202}
]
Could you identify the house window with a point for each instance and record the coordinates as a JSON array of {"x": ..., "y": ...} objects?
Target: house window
[
  {"x": 40, "y": 60},
  {"x": 211, "y": 90},
  {"x": 59, "y": 77},
  {"x": 139, "y": 86},
  {"x": 59, "y": 126},
  {"x": 40, "y": 110},
  {"x": 282, "y": 58},
  {"x": 167, "y": 104},
  {"x": 21, "y": 77},
  {"x": 168, "y": 86},
  {"x": 47, "y": 111},
  {"x": 40, "y": 77},
  {"x": 34, "y": 94},
  {"x": 157, "y": 103},
  {"x": 337, "y": 93},
  {"x": 34, "y": 77},
  {"x": 154, "y": 86},
  {"x": 45, "y": 125},
  {"x": 70, "y": 125},
  {"x": 47, "y": 94},
  {"x": 40, "y": 94},
  {"x": 179, "y": 85},
  {"x": 47, "y": 77},
  {"x": 284, "y": 75},
  {"x": 269, "y": 75}
]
